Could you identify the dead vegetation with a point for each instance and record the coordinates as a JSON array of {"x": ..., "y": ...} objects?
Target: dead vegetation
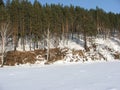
[
  {"x": 19, "y": 57},
  {"x": 55, "y": 54},
  {"x": 116, "y": 55},
  {"x": 78, "y": 52}
]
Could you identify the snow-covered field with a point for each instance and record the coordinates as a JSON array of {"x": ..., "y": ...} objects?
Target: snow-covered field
[{"x": 86, "y": 76}]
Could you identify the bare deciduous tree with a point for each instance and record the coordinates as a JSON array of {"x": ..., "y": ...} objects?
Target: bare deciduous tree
[{"x": 4, "y": 34}]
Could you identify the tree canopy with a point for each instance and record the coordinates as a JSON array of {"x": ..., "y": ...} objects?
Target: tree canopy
[{"x": 32, "y": 20}]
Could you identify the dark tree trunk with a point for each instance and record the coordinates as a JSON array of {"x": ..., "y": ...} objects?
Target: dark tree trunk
[{"x": 85, "y": 41}]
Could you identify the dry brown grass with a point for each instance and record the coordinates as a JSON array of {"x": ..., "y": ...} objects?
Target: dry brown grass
[
  {"x": 19, "y": 57},
  {"x": 116, "y": 55}
]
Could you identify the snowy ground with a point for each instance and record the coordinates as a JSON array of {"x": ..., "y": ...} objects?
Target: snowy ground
[{"x": 87, "y": 76}]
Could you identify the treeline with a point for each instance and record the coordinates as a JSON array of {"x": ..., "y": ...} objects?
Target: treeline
[{"x": 32, "y": 22}]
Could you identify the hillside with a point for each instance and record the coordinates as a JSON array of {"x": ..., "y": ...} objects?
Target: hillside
[
  {"x": 34, "y": 33},
  {"x": 99, "y": 49}
]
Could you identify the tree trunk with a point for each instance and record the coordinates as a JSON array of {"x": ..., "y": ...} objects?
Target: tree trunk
[
  {"x": 4, "y": 36},
  {"x": 67, "y": 34},
  {"x": 2, "y": 59},
  {"x": 63, "y": 34},
  {"x": 30, "y": 45},
  {"x": 85, "y": 40},
  {"x": 15, "y": 42},
  {"x": 48, "y": 44},
  {"x": 23, "y": 36},
  {"x": 30, "y": 35},
  {"x": 72, "y": 29},
  {"x": 2, "y": 56},
  {"x": 3, "y": 48}
]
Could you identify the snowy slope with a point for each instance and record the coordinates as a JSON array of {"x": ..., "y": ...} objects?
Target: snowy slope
[
  {"x": 95, "y": 76},
  {"x": 106, "y": 50}
]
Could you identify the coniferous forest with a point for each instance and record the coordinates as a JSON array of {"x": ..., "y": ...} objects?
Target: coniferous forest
[{"x": 34, "y": 24}]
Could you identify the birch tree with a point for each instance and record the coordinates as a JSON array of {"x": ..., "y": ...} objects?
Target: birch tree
[{"x": 4, "y": 34}]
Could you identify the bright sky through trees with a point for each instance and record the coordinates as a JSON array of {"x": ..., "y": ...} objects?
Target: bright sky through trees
[{"x": 107, "y": 5}]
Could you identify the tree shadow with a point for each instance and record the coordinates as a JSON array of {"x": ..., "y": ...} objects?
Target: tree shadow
[
  {"x": 115, "y": 40},
  {"x": 77, "y": 40}
]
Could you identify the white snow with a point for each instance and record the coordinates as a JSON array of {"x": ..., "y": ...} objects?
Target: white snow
[
  {"x": 87, "y": 76},
  {"x": 72, "y": 45},
  {"x": 112, "y": 43}
]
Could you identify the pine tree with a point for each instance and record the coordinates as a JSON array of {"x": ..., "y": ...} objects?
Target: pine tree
[
  {"x": 36, "y": 22},
  {"x": 1, "y": 3},
  {"x": 14, "y": 10}
]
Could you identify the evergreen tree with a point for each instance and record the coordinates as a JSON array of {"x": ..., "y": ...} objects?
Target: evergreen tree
[
  {"x": 1, "y": 3},
  {"x": 36, "y": 22},
  {"x": 29, "y": 22},
  {"x": 14, "y": 11}
]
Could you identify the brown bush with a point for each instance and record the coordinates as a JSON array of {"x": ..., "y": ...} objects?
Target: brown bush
[
  {"x": 17, "y": 57},
  {"x": 20, "y": 57},
  {"x": 79, "y": 52},
  {"x": 56, "y": 54},
  {"x": 116, "y": 55}
]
